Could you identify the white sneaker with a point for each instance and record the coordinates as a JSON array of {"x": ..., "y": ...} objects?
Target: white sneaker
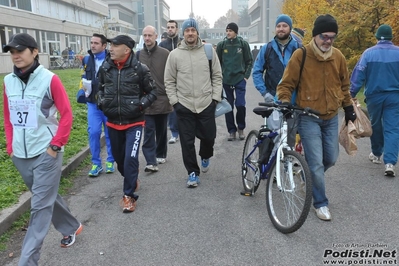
[
  {"x": 323, "y": 213},
  {"x": 173, "y": 140},
  {"x": 374, "y": 158},
  {"x": 161, "y": 160},
  {"x": 151, "y": 168},
  {"x": 389, "y": 170}
]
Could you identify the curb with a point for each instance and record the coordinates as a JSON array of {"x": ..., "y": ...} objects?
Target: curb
[{"x": 9, "y": 215}]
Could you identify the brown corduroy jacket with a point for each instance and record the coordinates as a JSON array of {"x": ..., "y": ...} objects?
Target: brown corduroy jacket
[{"x": 324, "y": 84}]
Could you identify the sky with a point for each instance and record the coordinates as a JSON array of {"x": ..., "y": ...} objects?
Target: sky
[{"x": 211, "y": 10}]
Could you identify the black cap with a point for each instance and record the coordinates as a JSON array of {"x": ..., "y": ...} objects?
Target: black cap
[
  {"x": 164, "y": 35},
  {"x": 325, "y": 23},
  {"x": 20, "y": 41},
  {"x": 232, "y": 26},
  {"x": 123, "y": 39}
]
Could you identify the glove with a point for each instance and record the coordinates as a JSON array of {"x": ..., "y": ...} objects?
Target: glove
[
  {"x": 349, "y": 114},
  {"x": 268, "y": 98},
  {"x": 285, "y": 104}
]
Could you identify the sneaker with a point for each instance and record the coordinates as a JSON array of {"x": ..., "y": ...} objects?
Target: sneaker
[
  {"x": 232, "y": 136},
  {"x": 128, "y": 204},
  {"x": 173, "y": 140},
  {"x": 193, "y": 180},
  {"x": 374, "y": 158},
  {"x": 109, "y": 167},
  {"x": 161, "y": 160},
  {"x": 204, "y": 165},
  {"x": 95, "y": 170},
  {"x": 241, "y": 135},
  {"x": 389, "y": 169},
  {"x": 151, "y": 168},
  {"x": 323, "y": 213},
  {"x": 68, "y": 241}
]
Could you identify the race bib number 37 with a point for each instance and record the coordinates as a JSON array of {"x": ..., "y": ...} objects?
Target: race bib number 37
[{"x": 23, "y": 113}]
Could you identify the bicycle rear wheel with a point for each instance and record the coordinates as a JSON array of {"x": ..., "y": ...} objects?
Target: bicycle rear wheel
[
  {"x": 249, "y": 168},
  {"x": 289, "y": 206}
]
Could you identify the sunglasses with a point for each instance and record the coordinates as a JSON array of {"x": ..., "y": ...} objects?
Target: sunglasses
[{"x": 325, "y": 37}]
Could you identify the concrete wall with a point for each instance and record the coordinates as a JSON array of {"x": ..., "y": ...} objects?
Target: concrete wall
[{"x": 6, "y": 65}]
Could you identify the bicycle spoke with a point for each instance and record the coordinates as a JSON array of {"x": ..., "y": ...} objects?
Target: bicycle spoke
[{"x": 289, "y": 206}]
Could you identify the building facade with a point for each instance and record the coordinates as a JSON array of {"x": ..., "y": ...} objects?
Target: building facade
[
  {"x": 239, "y": 5},
  {"x": 263, "y": 15}
]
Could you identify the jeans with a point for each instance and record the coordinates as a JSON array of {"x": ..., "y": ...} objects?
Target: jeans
[
  {"x": 320, "y": 143},
  {"x": 383, "y": 109},
  {"x": 155, "y": 144},
  {"x": 239, "y": 102},
  {"x": 172, "y": 121},
  {"x": 125, "y": 148},
  {"x": 96, "y": 120}
]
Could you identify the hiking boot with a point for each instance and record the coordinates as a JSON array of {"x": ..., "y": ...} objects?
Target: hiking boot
[
  {"x": 389, "y": 170},
  {"x": 374, "y": 158},
  {"x": 173, "y": 140},
  {"x": 161, "y": 160},
  {"x": 128, "y": 204},
  {"x": 109, "y": 167},
  {"x": 193, "y": 180},
  {"x": 204, "y": 165},
  {"x": 241, "y": 135},
  {"x": 151, "y": 168},
  {"x": 95, "y": 170},
  {"x": 68, "y": 241},
  {"x": 323, "y": 213},
  {"x": 232, "y": 136}
]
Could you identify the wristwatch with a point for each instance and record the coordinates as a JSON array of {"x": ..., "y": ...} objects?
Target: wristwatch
[{"x": 55, "y": 147}]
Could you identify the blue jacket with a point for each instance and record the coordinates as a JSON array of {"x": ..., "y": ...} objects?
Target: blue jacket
[
  {"x": 266, "y": 80},
  {"x": 377, "y": 69}
]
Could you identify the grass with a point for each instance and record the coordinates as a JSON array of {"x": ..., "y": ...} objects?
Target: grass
[{"x": 11, "y": 184}]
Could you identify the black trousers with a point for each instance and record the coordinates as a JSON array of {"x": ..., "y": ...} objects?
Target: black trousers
[{"x": 192, "y": 125}]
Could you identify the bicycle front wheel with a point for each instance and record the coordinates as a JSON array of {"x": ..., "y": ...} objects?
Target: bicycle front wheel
[
  {"x": 289, "y": 205},
  {"x": 250, "y": 169}
]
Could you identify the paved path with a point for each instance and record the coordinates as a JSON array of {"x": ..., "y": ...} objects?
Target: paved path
[{"x": 214, "y": 225}]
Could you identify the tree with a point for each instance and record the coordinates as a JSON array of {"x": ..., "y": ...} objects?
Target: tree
[
  {"x": 202, "y": 23},
  {"x": 230, "y": 16},
  {"x": 358, "y": 21},
  {"x": 245, "y": 19}
]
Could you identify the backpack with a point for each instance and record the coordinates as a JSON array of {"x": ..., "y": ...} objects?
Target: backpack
[{"x": 269, "y": 48}]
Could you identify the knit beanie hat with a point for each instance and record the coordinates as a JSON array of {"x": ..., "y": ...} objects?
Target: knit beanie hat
[
  {"x": 298, "y": 32},
  {"x": 284, "y": 18},
  {"x": 232, "y": 26},
  {"x": 325, "y": 23},
  {"x": 384, "y": 32},
  {"x": 188, "y": 23}
]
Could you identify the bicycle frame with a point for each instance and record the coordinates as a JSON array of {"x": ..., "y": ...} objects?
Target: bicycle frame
[{"x": 277, "y": 153}]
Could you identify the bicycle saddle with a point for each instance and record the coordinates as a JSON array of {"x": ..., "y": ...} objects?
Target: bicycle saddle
[{"x": 263, "y": 111}]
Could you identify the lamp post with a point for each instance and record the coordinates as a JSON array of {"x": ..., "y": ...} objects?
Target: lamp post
[{"x": 192, "y": 13}]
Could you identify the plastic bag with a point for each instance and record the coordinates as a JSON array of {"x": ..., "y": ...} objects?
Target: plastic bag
[
  {"x": 362, "y": 123},
  {"x": 347, "y": 137}
]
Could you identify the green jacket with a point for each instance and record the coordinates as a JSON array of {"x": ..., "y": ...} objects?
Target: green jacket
[{"x": 236, "y": 60}]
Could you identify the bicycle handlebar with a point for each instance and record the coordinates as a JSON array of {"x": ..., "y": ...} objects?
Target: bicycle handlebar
[{"x": 290, "y": 107}]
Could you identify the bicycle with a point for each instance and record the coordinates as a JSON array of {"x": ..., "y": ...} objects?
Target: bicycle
[{"x": 267, "y": 155}]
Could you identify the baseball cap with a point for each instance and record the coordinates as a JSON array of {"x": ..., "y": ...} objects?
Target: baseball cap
[
  {"x": 123, "y": 39},
  {"x": 20, "y": 41}
]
